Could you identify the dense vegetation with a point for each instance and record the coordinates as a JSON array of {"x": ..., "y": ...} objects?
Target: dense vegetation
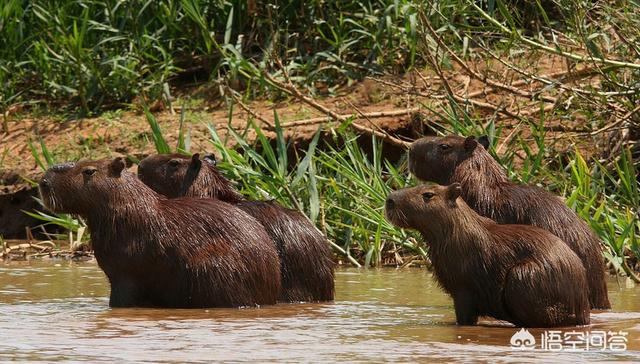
[{"x": 84, "y": 57}]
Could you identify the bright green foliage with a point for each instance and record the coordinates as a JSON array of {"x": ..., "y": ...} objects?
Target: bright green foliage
[{"x": 342, "y": 189}]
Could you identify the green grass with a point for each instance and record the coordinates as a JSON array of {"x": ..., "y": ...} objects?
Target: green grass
[
  {"x": 342, "y": 190},
  {"x": 86, "y": 57},
  {"x": 96, "y": 55}
]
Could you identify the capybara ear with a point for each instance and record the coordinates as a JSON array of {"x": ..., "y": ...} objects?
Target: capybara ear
[
  {"x": 484, "y": 141},
  {"x": 470, "y": 143},
  {"x": 211, "y": 159},
  {"x": 453, "y": 192},
  {"x": 196, "y": 163},
  {"x": 116, "y": 166}
]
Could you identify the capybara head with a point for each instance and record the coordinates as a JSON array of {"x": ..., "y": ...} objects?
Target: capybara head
[
  {"x": 436, "y": 158},
  {"x": 85, "y": 185},
  {"x": 169, "y": 174},
  {"x": 176, "y": 175},
  {"x": 423, "y": 205}
]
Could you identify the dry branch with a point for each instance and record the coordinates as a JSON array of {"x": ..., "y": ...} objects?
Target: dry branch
[
  {"x": 617, "y": 122},
  {"x": 478, "y": 76},
  {"x": 372, "y": 115},
  {"x": 534, "y": 44},
  {"x": 247, "y": 109},
  {"x": 293, "y": 91}
]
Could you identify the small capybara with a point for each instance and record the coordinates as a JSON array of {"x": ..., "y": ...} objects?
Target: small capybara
[
  {"x": 518, "y": 273},
  {"x": 187, "y": 252},
  {"x": 305, "y": 256},
  {"x": 486, "y": 188}
]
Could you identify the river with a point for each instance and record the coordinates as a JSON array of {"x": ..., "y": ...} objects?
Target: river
[{"x": 57, "y": 311}]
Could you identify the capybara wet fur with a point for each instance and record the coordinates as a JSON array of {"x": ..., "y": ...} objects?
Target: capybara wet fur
[
  {"x": 305, "y": 256},
  {"x": 187, "y": 252},
  {"x": 488, "y": 190},
  {"x": 518, "y": 273}
]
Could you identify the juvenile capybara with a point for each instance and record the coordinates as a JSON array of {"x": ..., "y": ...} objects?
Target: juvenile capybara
[
  {"x": 518, "y": 273},
  {"x": 305, "y": 256},
  {"x": 187, "y": 252},
  {"x": 486, "y": 188}
]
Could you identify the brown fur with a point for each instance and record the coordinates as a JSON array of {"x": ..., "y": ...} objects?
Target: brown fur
[
  {"x": 186, "y": 252},
  {"x": 305, "y": 256},
  {"x": 13, "y": 219},
  {"x": 486, "y": 188},
  {"x": 518, "y": 273}
]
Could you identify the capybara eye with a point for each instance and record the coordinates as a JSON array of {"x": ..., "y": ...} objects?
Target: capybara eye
[
  {"x": 174, "y": 162},
  {"x": 89, "y": 171},
  {"x": 211, "y": 159},
  {"x": 444, "y": 146},
  {"x": 427, "y": 196}
]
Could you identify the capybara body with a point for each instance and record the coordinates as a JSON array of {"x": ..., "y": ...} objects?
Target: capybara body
[
  {"x": 305, "y": 257},
  {"x": 518, "y": 273},
  {"x": 186, "y": 252},
  {"x": 486, "y": 189}
]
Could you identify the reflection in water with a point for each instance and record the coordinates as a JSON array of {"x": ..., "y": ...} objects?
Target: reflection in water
[{"x": 59, "y": 312}]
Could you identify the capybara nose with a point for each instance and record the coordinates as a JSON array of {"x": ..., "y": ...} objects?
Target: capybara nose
[
  {"x": 389, "y": 204},
  {"x": 62, "y": 167}
]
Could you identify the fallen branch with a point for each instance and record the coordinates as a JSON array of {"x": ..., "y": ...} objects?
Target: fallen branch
[
  {"x": 345, "y": 253},
  {"x": 376, "y": 114},
  {"x": 478, "y": 76},
  {"x": 554, "y": 83},
  {"x": 247, "y": 109},
  {"x": 617, "y": 122},
  {"x": 293, "y": 91},
  {"x": 534, "y": 44}
]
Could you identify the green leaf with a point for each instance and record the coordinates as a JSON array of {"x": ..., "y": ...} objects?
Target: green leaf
[{"x": 158, "y": 139}]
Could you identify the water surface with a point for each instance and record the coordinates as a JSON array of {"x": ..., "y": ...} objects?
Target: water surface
[{"x": 52, "y": 312}]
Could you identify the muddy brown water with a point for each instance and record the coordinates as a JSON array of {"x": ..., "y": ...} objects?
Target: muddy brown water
[{"x": 58, "y": 311}]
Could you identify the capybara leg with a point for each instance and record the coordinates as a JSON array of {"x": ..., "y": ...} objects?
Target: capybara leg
[
  {"x": 124, "y": 293},
  {"x": 598, "y": 295},
  {"x": 466, "y": 314},
  {"x": 533, "y": 297}
]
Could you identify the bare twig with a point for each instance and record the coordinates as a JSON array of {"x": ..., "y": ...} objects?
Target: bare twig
[
  {"x": 292, "y": 90},
  {"x": 247, "y": 109},
  {"x": 546, "y": 81},
  {"x": 534, "y": 44},
  {"x": 369, "y": 115},
  {"x": 477, "y": 75},
  {"x": 617, "y": 122},
  {"x": 345, "y": 253}
]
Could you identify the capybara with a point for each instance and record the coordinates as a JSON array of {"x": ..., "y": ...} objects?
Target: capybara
[
  {"x": 486, "y": 188},
  {"x": 187, "y": 252},
  {"x": 518, "y": 273},
  {"x": 305, "y": 256}
]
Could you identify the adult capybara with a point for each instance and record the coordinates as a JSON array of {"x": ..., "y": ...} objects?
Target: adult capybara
[
  {"x": 305, "y": 256},
  {"x": 518, "y": 273},
  {"x": 187, "y": 252},
  {"x": 486, "y": 188}
]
